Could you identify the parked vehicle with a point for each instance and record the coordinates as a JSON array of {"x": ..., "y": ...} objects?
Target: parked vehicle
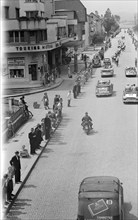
[
  {"x": 130, "y": 71},
  {"x": 107, "y": 69},
  {"x": 96, "y": 61},
  {"x": 100, "y": 198},
  {"x": 104, "y": 88},
  {"x": 130, "y": 94}
]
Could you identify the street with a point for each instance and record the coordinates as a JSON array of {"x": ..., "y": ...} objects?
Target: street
[{"x": 111, "y": 148}]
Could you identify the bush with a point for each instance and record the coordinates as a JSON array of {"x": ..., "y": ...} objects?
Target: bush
[{"x": 98, "y": 38}]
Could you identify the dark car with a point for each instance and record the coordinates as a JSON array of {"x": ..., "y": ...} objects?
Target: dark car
[
  {"x": 100, "y": 198},
  {"x": 96, "y": 61}
]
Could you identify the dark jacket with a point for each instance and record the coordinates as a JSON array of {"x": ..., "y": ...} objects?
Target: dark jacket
[
  {"x": 47, "y": 123},
  {"x": 16, "y": 162},
  {"x": 32, "y": 137}
]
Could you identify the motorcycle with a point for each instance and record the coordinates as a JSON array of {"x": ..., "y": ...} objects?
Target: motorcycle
[{"x": 87, "y": 128}]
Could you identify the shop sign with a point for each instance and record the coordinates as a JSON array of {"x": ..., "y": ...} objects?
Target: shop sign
[
  {"x": 34, "y": 48},
  {"x": 16, "y": 61}
]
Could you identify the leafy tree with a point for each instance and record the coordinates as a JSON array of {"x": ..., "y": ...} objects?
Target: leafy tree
[
  {"x": 117, "y": 18},
  {"x": 98, "y": 38},
  {"x": 109, "y": 21}
]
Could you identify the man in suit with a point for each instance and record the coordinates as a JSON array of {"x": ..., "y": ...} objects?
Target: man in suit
[
  {"x": 32, "y": 140},
  {"x": 47, "y": 124},
  {"x": 15, "y": 162}
]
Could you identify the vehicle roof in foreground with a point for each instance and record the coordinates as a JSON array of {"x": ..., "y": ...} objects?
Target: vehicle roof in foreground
[{"x": 101, "y": 184}]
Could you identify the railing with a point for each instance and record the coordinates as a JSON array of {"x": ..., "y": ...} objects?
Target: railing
[{"x": 13, "y": 123}]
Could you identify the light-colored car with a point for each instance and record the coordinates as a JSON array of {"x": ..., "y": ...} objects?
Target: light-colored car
[
  {"x": 104, "y": 88},
  {"x": 130, "y": 94},
  {"x": 107, "y": 69},
  {"x": 100, "y": 198},
  {"x": 130, "y": 71}
]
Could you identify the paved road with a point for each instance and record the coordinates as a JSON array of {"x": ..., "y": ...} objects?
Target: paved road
[{"x": 111, "y": 149}]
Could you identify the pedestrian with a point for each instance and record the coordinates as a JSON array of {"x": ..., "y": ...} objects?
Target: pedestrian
[
  {"x": 39, "y": 138},
  {"x": 74, "y": 91},
  {"x": 24, "y": 152},
  {"x": 69, "y": 97},
  {"x": 15, "y": 162},
  {"x": 10, "y": 173},
  {"x": 69, "y": 72},
  {"x": 135, "y": 62},
  {"x": 4, "y": 190},
  {"x": 45, "y": 100},
  {"x": 117, "y": 60},
  {"x": 56, "y": 100},
  {"x": 32, "y": 140},
  {"x": 47, "y": 125}
]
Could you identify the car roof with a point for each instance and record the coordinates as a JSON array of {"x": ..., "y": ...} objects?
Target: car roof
[
  {"x": 130, "y": 67},
  {"x": 107, "y": 59},
  {"x": 100, "y": 184},
  {"x": 103, "y": 82}
]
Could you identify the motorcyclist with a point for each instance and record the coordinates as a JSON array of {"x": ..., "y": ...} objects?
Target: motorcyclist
[{"x": 87, "y": 119}]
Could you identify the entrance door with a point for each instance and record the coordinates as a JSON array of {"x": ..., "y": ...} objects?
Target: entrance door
[{"x": 33, "y": 71}]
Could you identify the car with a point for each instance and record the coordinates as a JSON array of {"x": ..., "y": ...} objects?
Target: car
[
  {"x": 130, "y": 94},
  {"x": 100, "y": 198},
  {"x": 96, "y": 61},
  {"x": 130, "y": 71},
  {"x": 104, "y": 88},
  {"x": 107, "y": 69}
]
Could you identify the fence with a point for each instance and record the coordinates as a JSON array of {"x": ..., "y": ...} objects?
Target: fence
[{"x": 14, "y": 123}]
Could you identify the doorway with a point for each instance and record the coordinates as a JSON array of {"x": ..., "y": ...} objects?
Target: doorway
[{"x": 33, "y": 71}]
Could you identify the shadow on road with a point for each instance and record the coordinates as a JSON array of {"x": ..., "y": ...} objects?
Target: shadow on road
[
  {"x": 128, "y": 215},
  {"x": 17, "y": 208}
]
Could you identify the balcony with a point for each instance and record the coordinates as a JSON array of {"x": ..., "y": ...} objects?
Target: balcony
[{"x": 25, "y": 24}]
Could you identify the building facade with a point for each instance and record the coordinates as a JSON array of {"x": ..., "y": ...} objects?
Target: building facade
[{"x": 34, "y": 39}]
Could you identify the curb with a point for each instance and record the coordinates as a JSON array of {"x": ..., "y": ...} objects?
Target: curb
[
  {"x": 33, "y": 92},
  {"x": 26, "y": 174}
]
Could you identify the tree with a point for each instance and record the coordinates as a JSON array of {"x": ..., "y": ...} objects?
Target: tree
[
  {"x": 117, "y": 18},
  {"x": 109, "y": 22}
]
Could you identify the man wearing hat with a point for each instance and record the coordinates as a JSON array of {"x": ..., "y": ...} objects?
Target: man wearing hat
[{"x": 15, "y": 162}]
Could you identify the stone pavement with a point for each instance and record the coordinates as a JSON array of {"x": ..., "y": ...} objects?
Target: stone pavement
[{"x": 21, "y": 138}]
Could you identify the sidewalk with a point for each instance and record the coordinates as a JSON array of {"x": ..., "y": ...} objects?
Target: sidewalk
[
  {"x": 28, "y": 89},
  {"x": 21, "y": 137}
]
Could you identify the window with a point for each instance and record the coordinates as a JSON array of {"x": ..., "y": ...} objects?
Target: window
[
  {"x": 16, "y": 36},
  {"x": 42, "y": 14},
  {"x": 11, "y": 36},
  {"x": 17, "y": 12},
  {"x": 6, "y": 12},
  {"x": 31, "y": 14},
  {"x": 16, "y": 73},
  {"x": 45, "y": 34},
  {"x": 31, "y": 1},
  {"x": 22, "y": 37}
]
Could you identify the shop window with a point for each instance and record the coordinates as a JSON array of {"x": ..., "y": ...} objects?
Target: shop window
[
  {"x": 16, "y": 36},
  {"x": 11, "y": 36},
  {"x": 16, "y": 73}
]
